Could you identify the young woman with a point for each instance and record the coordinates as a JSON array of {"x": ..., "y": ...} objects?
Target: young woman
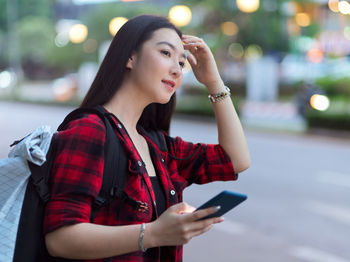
[{"x": 137, "y": 82}]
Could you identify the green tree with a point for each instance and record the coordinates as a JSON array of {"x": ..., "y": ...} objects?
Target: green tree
[
  {"x": 2, "y": 50},
  {"x": 43, "y": 8},
  {"x": 36, "y": 35},
  {"x": 266, "y": 27},
  {"x": 97, "y": 19}
]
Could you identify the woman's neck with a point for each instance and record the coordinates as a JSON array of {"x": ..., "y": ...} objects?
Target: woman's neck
[{"x": 128, "y": 106}]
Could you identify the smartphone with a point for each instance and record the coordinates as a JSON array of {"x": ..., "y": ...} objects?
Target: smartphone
[{"x": 226, "y": 200}]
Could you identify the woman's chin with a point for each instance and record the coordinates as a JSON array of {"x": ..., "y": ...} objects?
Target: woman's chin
[{"x": 164, "y": 100}]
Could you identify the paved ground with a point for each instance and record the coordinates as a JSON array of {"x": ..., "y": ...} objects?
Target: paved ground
[{"x": 298, "y": 191}]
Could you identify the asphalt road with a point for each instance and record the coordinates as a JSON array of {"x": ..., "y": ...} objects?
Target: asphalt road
[{"x": 298, "y": 188}]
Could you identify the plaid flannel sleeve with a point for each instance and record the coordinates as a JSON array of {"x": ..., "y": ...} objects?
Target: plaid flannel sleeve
[
  {"x": 201, "y": 163},
  {"x": 76, "y": 174}
]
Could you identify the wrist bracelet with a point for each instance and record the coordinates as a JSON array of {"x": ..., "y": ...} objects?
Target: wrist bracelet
[
  {"x": 219, "y": 96},
  {"x": 142, "y": 233}
]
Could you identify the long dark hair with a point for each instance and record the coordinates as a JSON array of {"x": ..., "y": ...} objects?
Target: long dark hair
[{"x": 129, "y": 38}]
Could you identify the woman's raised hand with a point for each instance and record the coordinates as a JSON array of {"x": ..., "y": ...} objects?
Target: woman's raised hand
[
  {"x": 202, "y": 61},
  {"x": 178, "y": 225}
]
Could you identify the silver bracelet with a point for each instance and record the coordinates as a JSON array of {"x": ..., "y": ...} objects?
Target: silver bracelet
[
  {"x": 142, "y": 233},
  {"x": 219, "y": 96}
]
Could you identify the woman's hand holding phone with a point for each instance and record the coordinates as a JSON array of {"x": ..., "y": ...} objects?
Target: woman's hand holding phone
[{"x": 178, "y": 225}]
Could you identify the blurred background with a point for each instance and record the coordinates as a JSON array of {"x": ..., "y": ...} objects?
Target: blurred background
[
  {"x": 287, "y": 64},
  {"x": 284, "y": 60}
]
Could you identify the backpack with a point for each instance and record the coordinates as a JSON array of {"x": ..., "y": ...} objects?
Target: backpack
[{"x": 21, "y": 229}]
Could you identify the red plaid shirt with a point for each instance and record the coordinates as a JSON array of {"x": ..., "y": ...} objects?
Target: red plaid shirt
[{"x": 77, "y": 177}]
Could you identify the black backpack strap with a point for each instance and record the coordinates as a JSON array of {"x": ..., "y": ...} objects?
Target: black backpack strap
[
  {"x": 115, "y": 160},
  {"x": 39, "y": 175},
  {"x": 115, "y": 166},
  {"x": 75, "y": 114}
]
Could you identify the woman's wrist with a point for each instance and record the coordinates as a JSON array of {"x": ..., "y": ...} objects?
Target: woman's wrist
[
  {"x": 213, "y": 98},
  {"x": 216, "y": 87},
  {"x": 149, "y": 240}
]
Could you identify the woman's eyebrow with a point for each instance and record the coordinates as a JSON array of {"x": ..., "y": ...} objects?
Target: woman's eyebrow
[{"x": 171, "y": 46}]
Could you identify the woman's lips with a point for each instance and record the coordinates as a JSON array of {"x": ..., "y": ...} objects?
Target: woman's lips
[{"x": 169, "y": 84}]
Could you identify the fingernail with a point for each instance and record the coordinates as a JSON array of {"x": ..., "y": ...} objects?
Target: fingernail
[
  {"x": 217, "y": 208},
  {"x": 220, "y": 219}
]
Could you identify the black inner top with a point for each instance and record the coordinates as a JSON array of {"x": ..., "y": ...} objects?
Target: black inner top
[{"x": 159, "y": 194}]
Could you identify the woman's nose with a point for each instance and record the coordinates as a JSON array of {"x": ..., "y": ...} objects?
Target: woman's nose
[{"x": 176, "y": 70}]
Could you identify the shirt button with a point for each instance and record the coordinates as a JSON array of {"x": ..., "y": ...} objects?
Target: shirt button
[
  {"x": 139, "y": 163},
  {"x": 120, "y": 126},
  {"x": 172, "y": 192},
  {"x": 162, "y": 160}
]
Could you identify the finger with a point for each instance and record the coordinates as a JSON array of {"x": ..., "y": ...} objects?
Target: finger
[
  {"x": 193, "y": 47},
  {"x": 197, "y": 215},
  {"x": 202, "y": 231},
  {"x": 189, "y": 210},
  {"x": 191, "y": 37},
  {"x": 189, "y": 41},
  {"x": 199, "y": 225},
  {"x": 182, "y": 207},
  {"x": 190, "y": 44},
  {"x": 192, "y": 60},
  {"x": 193, "y": 43}
]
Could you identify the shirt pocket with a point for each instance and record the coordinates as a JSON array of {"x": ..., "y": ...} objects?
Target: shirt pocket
[{"x": 136, "y": 203}]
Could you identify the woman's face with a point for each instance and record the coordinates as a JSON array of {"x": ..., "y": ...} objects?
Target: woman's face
[{"x": 156, "y": 70}]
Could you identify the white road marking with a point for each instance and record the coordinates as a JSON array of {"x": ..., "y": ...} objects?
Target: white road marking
[
  {"x": 338, "y": 213},
  {"x": 315, "y": 255},
  {"x": 335, "y": 178},
  {"x": 230, "y": 227}
]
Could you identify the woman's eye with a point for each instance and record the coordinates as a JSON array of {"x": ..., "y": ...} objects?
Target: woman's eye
[{"x": 167, "y": 53}]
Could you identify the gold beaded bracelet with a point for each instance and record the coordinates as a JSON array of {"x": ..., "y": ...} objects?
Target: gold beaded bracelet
[{"x": 219, "y": 96}]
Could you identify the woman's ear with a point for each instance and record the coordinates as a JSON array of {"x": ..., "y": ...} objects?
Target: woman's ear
[{"x": 131, "y": 61}]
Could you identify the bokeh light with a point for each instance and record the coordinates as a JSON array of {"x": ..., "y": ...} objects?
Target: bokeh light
[
  {"x": 319, "y": 102},
  {"x": 78, "y": 33},
  {"x": 302, "y": 19},
  {"x": 253, "y": 51},
  {"x": 248, "y": 6},
  {"x": 289, "y": 8},
  {"x": 115, "y": 24},
  {"x": 5, "y": 79},
  {"x": 62, "y": 39},
  {"x": 333, "y": 5},
  {"x": 229, "y": 28},
  {"x": 344, "y": 7},
  {"x": 315, "y": 55},
  {"x": 63, "y": 89},
  {"x": 303, "y": 43},
  {"x": 236, "y": 50},
  {"x": 180, "y": 15}
]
